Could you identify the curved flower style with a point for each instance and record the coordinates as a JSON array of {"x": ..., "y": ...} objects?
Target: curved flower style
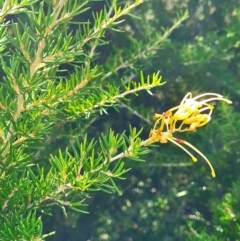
[{"x": 191, "y": 114}]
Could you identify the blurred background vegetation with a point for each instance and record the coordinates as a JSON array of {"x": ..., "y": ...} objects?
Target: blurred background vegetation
[{"x": 168, "y": 197}]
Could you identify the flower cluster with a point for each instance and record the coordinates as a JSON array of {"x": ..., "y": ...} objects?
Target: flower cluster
[{"x": 192, "y": 113}]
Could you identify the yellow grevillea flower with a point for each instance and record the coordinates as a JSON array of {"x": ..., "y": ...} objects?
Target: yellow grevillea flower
[{"x": 192, "y": 113}]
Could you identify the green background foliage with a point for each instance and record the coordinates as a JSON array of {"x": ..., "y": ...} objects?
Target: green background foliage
[{"x": 195, "y": 46}]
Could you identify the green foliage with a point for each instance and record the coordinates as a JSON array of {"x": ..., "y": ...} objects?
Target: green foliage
[
  {"x": 70, "y": 124},
  {"x": 52, "y": 88}
]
